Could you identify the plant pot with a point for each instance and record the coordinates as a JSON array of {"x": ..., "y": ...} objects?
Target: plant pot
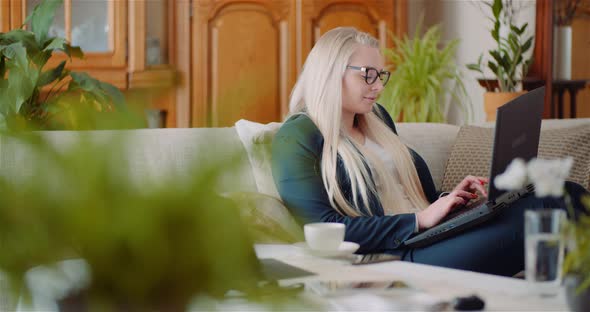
[
  {"x": 493, "y": 100},
  {"x": 577, "y": 302}
]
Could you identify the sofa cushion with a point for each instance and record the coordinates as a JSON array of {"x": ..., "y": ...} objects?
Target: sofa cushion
[
  {"x": 257, "y": 141},
  {"x": 153, "y": 155},
  {"x": 471, "y": 153},
  {"x": 433, "y": 141}
]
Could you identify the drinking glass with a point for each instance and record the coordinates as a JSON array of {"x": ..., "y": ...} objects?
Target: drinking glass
[{"x": 544, "y": 249}]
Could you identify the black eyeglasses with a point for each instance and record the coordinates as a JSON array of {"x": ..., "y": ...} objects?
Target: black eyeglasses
[{"x": 371, "y": 74}]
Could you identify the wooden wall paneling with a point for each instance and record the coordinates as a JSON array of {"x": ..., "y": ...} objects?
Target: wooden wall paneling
[
  {"x": 117, "y": 77},
  {"x": 542, "y": 67},
  {"x": 17, "y": 13},
  {"x": 181, "y": 59},
  {"x": 242, "y": 61},
  {"x": 137, "y": 33},
  {"x": 581, "y": 63},
  {"x": 4, "y": 15},
  {"x": 377, "y": 17}
]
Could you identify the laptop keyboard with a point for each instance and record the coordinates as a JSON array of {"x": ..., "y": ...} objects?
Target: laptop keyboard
[{"x": 463, "y": 210}]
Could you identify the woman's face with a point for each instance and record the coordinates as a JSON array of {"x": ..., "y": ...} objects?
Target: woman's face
[{"x": 358, "y": 97}]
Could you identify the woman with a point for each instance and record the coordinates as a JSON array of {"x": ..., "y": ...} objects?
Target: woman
[{"x": 338, "y": 159}]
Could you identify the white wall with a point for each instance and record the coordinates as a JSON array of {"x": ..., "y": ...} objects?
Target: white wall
[{"x": 466, "y": 20}]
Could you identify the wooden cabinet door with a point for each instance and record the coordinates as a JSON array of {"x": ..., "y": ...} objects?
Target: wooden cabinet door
[
  {"x": 377, "y": 17},
  {"x": 4, "y": 16},
  {"x": 243, "y": 63}
]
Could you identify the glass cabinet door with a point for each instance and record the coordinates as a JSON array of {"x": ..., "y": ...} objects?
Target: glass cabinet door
[
  {"x": 96, "y": 26},
  {"x": 90, "y": 25}
]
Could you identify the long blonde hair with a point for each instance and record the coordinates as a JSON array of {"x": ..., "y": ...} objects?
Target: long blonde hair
[{"x": 318, "y": 94}]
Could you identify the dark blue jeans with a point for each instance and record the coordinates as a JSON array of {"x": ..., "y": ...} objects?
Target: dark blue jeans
[{"x": 496, "y": 246}]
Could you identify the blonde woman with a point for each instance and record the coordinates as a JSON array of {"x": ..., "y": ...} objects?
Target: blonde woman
[{"x": 338, "y": 158}]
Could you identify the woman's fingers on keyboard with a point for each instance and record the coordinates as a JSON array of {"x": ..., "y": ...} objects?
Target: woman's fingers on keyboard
[{"x": 466, "y": 195}]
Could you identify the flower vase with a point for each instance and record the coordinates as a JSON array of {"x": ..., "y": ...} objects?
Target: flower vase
[
  {"x": 577, "y": 301},
  {"x": 562, "y": 52}
]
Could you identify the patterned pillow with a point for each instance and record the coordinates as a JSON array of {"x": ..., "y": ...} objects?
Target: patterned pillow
[{"x": 471, "y": 154}]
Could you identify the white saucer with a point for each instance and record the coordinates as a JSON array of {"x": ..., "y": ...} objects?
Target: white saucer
[{"x": 346, "y": 248}]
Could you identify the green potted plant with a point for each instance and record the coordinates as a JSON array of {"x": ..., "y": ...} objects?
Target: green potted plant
[
  {"x": 577, "y": 262},
  {"x": 418, "y": 85},
  {"x": 506, "y": 61},
  {"x": 30, "y": 92}
]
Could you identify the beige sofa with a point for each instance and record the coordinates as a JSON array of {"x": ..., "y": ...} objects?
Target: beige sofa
[{"x": 450, "y": 151}]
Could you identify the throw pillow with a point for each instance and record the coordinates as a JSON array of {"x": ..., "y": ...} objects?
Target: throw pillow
[
  {"x": 267, "y": 219},
  {"x": 470, "y": 155},
  {"x": 257, "y": 140},
  {"x": 472, "y": 152}
]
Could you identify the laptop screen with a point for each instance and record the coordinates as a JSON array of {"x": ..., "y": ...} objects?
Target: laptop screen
[{"x": 518, "y": 128}]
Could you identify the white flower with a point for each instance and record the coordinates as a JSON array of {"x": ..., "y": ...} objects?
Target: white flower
[
  {"x": 514, "y": 178},
  {"x": 549, "y": 175}
]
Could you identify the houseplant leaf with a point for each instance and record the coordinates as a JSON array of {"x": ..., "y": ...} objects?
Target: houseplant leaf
[
  {"x": 507, "y": 61},
  {"x": 50, "y": 75},
  {"x": 22, "y": 78},
  {"x": 107, "y": 93},
  {"x": 41, "y": 19}
]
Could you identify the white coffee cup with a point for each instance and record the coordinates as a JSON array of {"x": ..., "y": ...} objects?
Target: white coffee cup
[{"x": 324, "y": 236}]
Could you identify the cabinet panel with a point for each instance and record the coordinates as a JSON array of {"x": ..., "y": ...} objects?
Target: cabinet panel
[
  {"x": 244, "y": 83},
  {"x": 4, "y": 16},
  {"x": 377, "y": 17},
  {"x": 346, "y": 15},
  {"x": 242, "y": 61}
]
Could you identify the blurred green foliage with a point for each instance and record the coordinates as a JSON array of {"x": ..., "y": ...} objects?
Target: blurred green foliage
[
  {"x": 23, "y": 57},
  {"x": 148, "y": 245},
  {"x": 577, "y": 260}
]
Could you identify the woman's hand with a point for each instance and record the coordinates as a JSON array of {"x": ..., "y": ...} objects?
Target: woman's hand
[
  {"x": 473, "y": 184},
  {"x": 432, "y": 215}
]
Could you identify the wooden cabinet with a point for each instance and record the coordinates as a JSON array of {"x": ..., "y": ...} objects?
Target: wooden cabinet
[
  {"x": 242, "y": 60},
  {"x": 225, "y": 59},
  {"x": 379, "y": 18},
  {"x": 247, "y": 54},
  {"x": 118, "y": 44},
  {"x": 99, "y": 27}
]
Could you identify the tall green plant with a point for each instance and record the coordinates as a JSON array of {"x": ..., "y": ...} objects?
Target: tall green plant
[
  {"x": 507, "y": 60},
  {"x": 23, "y": 57},
  {"x": 417, "y": 85}
]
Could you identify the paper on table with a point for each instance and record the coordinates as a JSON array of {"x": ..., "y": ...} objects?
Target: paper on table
[{"x": 395, "y": 301}]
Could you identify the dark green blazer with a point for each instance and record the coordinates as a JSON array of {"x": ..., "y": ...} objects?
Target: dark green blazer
[{"x": 296, "y": 158}]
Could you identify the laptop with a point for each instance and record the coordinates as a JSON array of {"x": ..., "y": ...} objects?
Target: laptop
[{"x": 517, "y": 132}]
